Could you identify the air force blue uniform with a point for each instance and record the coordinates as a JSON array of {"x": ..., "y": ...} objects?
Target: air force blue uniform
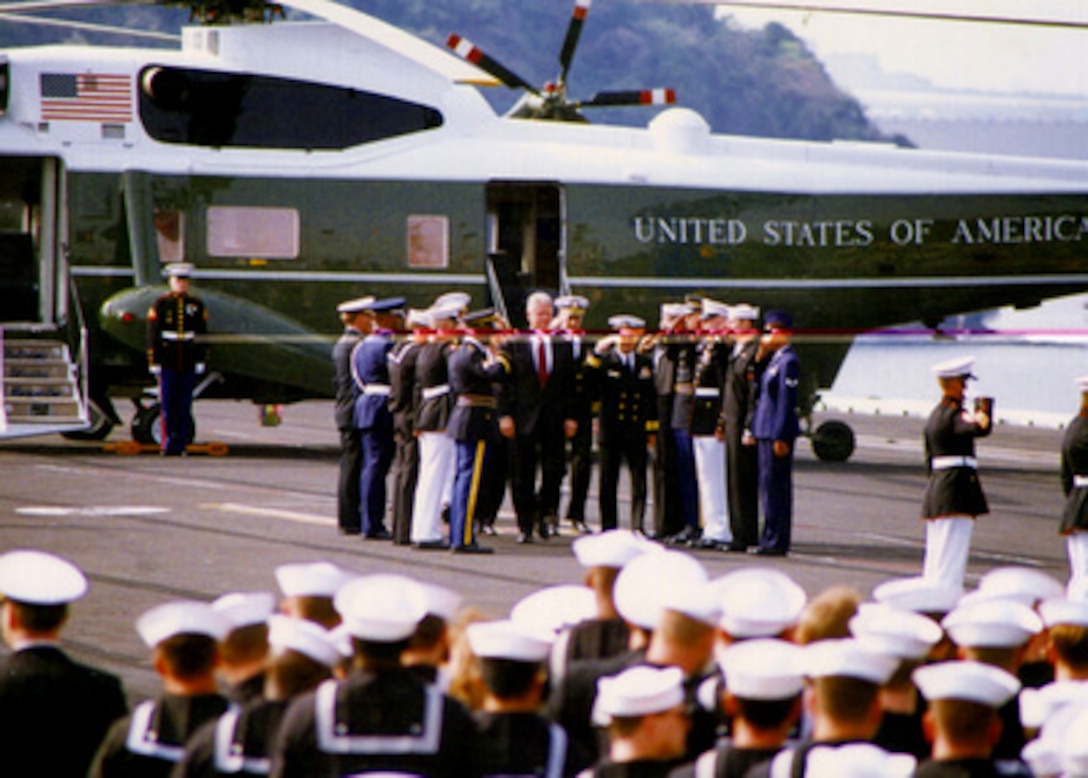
[{"x": 776, "y": 419}]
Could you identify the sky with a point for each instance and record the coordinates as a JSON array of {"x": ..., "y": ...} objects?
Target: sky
[{"x": 955, "y": 55}]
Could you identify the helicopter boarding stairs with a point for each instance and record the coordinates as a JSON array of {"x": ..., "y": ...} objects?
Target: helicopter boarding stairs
[{"x": 43, "y": 390}]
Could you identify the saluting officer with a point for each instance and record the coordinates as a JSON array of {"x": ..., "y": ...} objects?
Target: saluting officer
[
  {"x": 54, "y": 711},
  {"x": 176, "y": 325},
  {"x": 403, "y": 403},
  {"x": 708, "y": 438},
  {"x": 1074, "y": 524},
  {"x": 623, "y": 381},
  {"x": 348, "y": 510},
  {"x": 954, "y": 495},
  {"x": 370, "y": 368},
  {"x": 473, "y": 427},
  {"x": 682, "y": 353},
  {"x": 738, "y": 408},
  {"x": 572, "y": 312},
  {"x": 667, "y": 513}
]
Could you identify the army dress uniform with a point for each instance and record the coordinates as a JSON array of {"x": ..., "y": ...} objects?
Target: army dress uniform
[{"x": 176, "y": 325}]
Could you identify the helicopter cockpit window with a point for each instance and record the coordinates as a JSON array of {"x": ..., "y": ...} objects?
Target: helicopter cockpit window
[{"x": 209, "y": 108}]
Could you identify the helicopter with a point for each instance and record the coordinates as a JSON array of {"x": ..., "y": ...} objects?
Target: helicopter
[{"x": 299, "y": 163}]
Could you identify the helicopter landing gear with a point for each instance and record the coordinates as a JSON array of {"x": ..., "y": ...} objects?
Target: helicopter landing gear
[{"x": 833, "y": 441}]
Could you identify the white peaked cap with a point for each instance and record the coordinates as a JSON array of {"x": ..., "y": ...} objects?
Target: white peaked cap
[
  {"x": 966, "y": 680},
  {"x": 357, "y": 305},
  {"x": 441, "y": 601},
  {"x": 638, "y": 691},
  {"x": 1081, "y": 382},
  {"x": 626, "y": 321},
  {"x": 612, "y": 548},
  {"x": 763, "y": 669},
  {"x": 954, "y": 368},
  {"x": 662, "y": 579},
  {"x": 184, "y": 617},
  {"x": 459, "y": 300},
  {"x": 508, "y": 640},
  {"x": 448, "y": 310},
  {"x": 858, "y": 760},
  {"x": 381, "y": 608},
  {"x": 849, "y": 658},
  {"x": 744, "y": 312},
  {"x": 714, "y": 308},
  {"x": 899, "y": 633},
  {"x": 417, "y": 317},
  {"x": 242, "y": 609},
  {"x": 40, "y": 578},
  {"x": 992, "y": 624},
  {"x": 311, "y": 579},
  {"x": 179, "y": 270},
  {"x": 759, "y": 602},
  {"x": 1061, "y": 610},
  {"x": 574, "y": 302},
  {"x": 918, "y": 594},
  {"x": 304, "y": 637},
  {"x": 1021, "y": 583},
  {"x": 555, "y": 608}
]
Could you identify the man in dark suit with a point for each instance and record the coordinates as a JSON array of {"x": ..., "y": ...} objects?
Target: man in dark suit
[
  {"x": 536, "y": 411},
  {"x": 53, "y": 711},
  {"x": 738, "y": 407},
  {"x": 346, "y": 391}
]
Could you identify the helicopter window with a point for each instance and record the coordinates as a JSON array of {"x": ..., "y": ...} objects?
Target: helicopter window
[
  {"x": 269, "y": 233},
  {"x": 207, "y": 108}
]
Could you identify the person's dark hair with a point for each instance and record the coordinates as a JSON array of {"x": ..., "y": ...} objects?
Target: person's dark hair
[
  {"x": 189, "y": 656},
  {"x": 1070, "y": 643},
  {"x": 428, "y": 633},
  {"x": 843, "y": 698},
  {"x": 39, "y": 618},
  {"x": 245, "y": 644},
  {"x": 291, "y": 673},
  {"x": 765, "y": 714},
  {"x": 508, "y": 678}
]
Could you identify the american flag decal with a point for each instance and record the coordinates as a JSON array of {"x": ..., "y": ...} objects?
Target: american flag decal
[{"x": 87, "y": 97}]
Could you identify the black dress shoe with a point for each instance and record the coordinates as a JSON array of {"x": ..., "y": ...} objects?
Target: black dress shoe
[
  {"x": 525, "y": 537},
  {"x": 472, "y": 548},
  {"x": 765, "y": 551},
  {"x": 379, "y": 534},
  {"x": 431, "y": 545},
  {"x": 737, "y": 548},
  {"x": 350, "y": 531},
  {"x": 542, "y": 530}
]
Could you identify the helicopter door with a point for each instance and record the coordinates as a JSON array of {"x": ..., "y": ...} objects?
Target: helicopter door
[
  {"x": 526, "y": 240},
  {"x": 27, "y": 246}
]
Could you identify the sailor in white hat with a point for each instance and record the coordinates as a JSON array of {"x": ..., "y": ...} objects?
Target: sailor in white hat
[
  {"x": 243, "y": 652},
  {"x": 356, "y": 323},
  {"x": 954, "y": 496},
  {"x": 184, "y": 638},
  {"x": 647, "y": 717},
  {"x": 428, "y": 651},
  {"x": 47, "y": 698},
  {"x": 1066, "y": 622},
  {"x": 758, "y": 602},
  {"x": 308, "y": 589},
  {"x": 383, "y": 716},
  {"x": 1074, "y": 473},
  {"x": 741, "y": 457},
  {"x": 964, "y": 699}
]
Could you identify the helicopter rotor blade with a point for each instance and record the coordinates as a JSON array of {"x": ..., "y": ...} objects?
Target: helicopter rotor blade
[
  {"x": 103, "y": 29},
  {"x": 468, "y": 51},
  {"x": 574, "y": 31},
  {"x": 630, "y": 97},
  {"x": 36, "y": 6}
]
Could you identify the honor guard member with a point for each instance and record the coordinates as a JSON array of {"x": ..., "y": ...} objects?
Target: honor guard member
[
  {"x": 403, "y": 404},
  {"x": 370, "y": 368},
  {"x": 738, "y": 409},
  {"x": 308, "y": 590},
  {"x": 623, "y": 381},
  {"x": 962, "y": 720},
  {"x": 572, "y": 311},
  {"x": 648, "y": 718},
  {"x": 1074, "y": 523},
  {"x": 177, "y": 354},
  {"x": 346, "y": 390},
  {"x": 954, "y": 495},
  {"x": 382, "y": 717},
  {"x": 243, "y": 652},
  {"x": 776, "y": 427},
  {"x": 473, "y": 372},
  {"x": 762, "y": 698},
  {"x": 682, "y": 355},
  {"x": 536, "y": 412},
  {"x": 668, "y": 516},
  {"x": 708, "y": 437},
  {"x": 184, "y": 637},
  {"x": 436, "y": 448},
  {"x": 239, "y": 742},
  {"x": 518, "y": 740},
  {"x": 54, "y": 711}
]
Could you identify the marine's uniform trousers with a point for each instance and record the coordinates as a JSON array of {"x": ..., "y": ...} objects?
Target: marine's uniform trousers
[
  {"x": 346, "y": 391},
  {"x": 776, "y": 419},
  {"x": 473, "y": 426},
  {"x": 370, "y": 368},
  {"x": 150, "y": 742},
  {"x": 683, "y": 405},
  {"x": 54, "y": 711},
  {"x": 581, "y": 445},
  {"x": 708, "y": 442},
  {"x": 389, "y": 721},
  {"x": 668, "y": 519},
  {"x": 239, "y": 742},
  {"x": 741, "y": 459},
  {"x": 954, "y": 494},
  {"x": 436, "y": 449},
  {"x": 624, "y": 384},
  {"x": 403, "y": 404},
  {"x": 176, "y": 324},
  {"x": 1074, "y": 524}
]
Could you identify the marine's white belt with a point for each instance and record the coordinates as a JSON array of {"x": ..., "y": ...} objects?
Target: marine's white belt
[
  {"x": 175, "y": 335},
  {"x": 435, "y": 391},
  {"x": 947, "y": 463},
  {"x": 708, "y": 391},
  {"x": 1080, "y": 481},
  {"x": 382, "y": 389}
]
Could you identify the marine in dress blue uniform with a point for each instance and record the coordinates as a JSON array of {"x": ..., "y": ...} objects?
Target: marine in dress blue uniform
[
  {"x": 177, "y": 354},
  {"x": 370, "y": 369},
  {"x": 775, "y": 426},
  {"x": 346, "y": 391}
]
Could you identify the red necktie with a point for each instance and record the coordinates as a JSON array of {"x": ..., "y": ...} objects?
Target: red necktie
[{"x": 542, "y": 362}]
